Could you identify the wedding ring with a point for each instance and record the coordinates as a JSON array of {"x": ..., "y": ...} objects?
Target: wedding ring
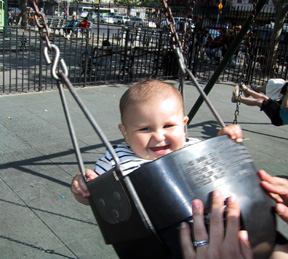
[{"x": 200, "y": 243}]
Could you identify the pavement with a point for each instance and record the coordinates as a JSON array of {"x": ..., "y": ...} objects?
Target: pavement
[{"x": 39, "y": 217}]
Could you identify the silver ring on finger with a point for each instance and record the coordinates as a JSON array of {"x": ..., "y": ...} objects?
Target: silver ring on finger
[{"x": 200, "y": 243}]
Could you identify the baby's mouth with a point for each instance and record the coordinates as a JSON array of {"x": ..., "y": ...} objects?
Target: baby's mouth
[{"x": 159, "y": 149}]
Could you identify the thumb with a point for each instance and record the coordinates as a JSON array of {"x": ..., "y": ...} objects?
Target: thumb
[{"x": 245, "y": 247}]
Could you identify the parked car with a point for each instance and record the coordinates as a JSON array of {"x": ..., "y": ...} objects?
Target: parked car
[
  {"x": 94, "y": 17},
  {"x": 163, "y": 24},
  {"x": 84, "y": 14},
  {"x": 179, "y": 23},
  {"x": 151, "y": 24},
  {"x": 137, "y": 22},
  {"x": 106, "y": 19},
  {"x": 126, "y": 19},
  {"x": 121, "y": 19},
  {"x": 264, "y": 32},
  {"x": 219, "y": 26}
]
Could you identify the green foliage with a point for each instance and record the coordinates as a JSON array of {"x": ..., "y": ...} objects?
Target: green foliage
[
  {"x": 152, "y": 3},
  {"x": 131, "y": 3},
  {"x": 128, "y": 3}
]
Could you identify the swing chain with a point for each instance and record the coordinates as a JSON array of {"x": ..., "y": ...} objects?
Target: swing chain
[
  {"x": 237, "y": 110},
  {"x": 176, "y": 44},
  {"x": 44, "y": 33},
  {"x": 188, "y": 30},
  {"x": 171, "y": 23}
]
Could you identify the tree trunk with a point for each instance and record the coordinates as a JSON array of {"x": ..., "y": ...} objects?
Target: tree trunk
[
  {"x": 23, "y": 13},
  {"x": 281, "y": 8}
]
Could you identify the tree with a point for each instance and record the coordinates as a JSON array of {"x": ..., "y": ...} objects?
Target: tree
[
  {"x": 132, "y": 3},
  {"x": 281, "y": 9},
  {"x": 153, "y": 3},
  {"x": 23, "y": 13},
  {"x": 128, "y": 3}
]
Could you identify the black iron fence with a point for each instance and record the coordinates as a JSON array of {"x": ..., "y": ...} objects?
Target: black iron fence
[{"x": 124, "y": 55}]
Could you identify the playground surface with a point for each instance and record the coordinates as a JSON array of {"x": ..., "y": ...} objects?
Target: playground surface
[{"x": 39, "y": 216}]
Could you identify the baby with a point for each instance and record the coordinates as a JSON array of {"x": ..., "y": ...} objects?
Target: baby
[{"x": 153, "y": 125}]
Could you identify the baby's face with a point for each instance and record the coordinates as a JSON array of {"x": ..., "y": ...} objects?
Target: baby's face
[{"x": 155, "y": 127}]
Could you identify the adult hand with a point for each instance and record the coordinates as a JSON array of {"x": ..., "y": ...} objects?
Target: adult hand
[
  {"x": 229, "y": 243},
  {"x": 278, "y": 190}
]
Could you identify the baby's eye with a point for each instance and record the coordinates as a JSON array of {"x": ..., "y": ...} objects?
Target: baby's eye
[
  {"x": 168, "y": 126},
  {"x": 144, "y": 129}
]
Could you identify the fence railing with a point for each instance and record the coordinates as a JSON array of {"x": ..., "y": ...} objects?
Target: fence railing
[{"x": 122, "y": 55}]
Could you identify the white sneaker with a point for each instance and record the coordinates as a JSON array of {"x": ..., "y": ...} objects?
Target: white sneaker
[
  {"x": 244, "y": 88},
  {"x": 235, "y": 95}
]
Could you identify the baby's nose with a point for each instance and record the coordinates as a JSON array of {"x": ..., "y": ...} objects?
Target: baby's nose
[{"x": 159, "y": 135}]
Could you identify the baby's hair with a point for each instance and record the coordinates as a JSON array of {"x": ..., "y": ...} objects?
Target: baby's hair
[{"x": 146, "y": 89}]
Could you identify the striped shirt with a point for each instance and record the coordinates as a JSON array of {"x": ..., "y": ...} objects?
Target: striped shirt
[{"x": 129, "y": 161}]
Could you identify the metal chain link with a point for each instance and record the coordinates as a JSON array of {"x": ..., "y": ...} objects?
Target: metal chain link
[
  {"x": 176, "y": 44},
  {"x": 62, "y": 79},
  {"x": 237, "y": 111},
  {"x": 171, "y": 24},
  {"x": 245, "y": 64},
  {"x": 44, "y": 33},
  {"x": 188, "y": 35}
]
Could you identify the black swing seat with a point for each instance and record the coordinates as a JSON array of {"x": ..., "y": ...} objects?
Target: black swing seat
[{"x": 136, "y": 211}]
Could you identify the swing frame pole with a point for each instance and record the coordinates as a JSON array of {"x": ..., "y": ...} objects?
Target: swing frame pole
[{"x": 229, "y": 54}]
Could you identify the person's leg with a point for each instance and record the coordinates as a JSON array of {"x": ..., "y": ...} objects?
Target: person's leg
[
  {"x": 249, "y": 92},
  {"x": 213, "y": 52},
  {"x": 69, "y": 33},
  {"x": 257, "y": 101},
  {"x": 260, "y": 89},
  {"x": 208, "y": 53},
  {"x": 256, "y": 95},
  {"x": 252, "y": 101}
]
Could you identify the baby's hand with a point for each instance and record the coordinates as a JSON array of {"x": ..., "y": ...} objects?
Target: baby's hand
[
  {"x": 233, "y": 131},
  {"x": 79, "y": 187}
]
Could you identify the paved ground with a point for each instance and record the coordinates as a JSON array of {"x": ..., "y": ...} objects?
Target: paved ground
[{"x": 39, "y": 217}]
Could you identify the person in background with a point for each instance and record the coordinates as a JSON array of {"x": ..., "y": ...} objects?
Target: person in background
[
  {"x": 84, "y": 25},
  {"x": 272, "y": 89},
  {"x": 217, "y": 48},
  {"x": 65, "y": 14},
  {"x": 277, "y": 111},
  {"x": 70, "y": 27},
  {"x": 10, "y": 19}
]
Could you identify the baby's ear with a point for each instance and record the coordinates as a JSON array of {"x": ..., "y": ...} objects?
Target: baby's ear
[
  {"x": 186, "y": 118},
  {"x": 123, "y": 131}
]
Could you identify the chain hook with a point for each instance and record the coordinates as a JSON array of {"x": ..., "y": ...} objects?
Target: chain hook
[{"x": 56, "y": 60}]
